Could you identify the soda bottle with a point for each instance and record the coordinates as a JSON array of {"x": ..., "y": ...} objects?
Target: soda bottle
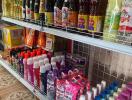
[
  {"x": 23, "y": 9},
  {"x": 65, "y": 9},
  {"x": 112, "y": 20},
  {"x": 125, "y": 25},
  {"x": 72, "y": 15},
  {"x": 58, "y": 13},
  {"x": 83, "y": 16},
  {"x": 36, "y": 11},
  {"x": 32, "y": 2},
  {"x": 96, "y": 17},
  {"x": 49, "y": 12},
  {"x": 28, "y": 17},
  {"x": 42, "y": 12}
]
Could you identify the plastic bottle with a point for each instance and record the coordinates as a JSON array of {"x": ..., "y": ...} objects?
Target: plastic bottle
[
  {"x": 25, "y": 66},
  {"x": 72, "y": 15},
  {"x": 58, "y": 13},
  {"x": 89, "y": 95},
  {"x": 112, "y": 20},
  {"x": 36, "y": 70},
  {"x": 36, "y": 11},
  {"x": 99, "y": 88},
  {"x": 65, "y": 10},
  {"x": 94, "y": 90},
  {"x": 83, "y": 16},
  {"x": 30, "y": 69},
  {"x": 21, "y": 64},
  {"x": 103, "y": 84}
]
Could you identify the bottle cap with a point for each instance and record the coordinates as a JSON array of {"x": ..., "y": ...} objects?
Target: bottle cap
[
  {"x": 111, "y": 98},
  {"x": 123, "y": 86},
  {"x": 44, "y": 52},
  {"x": 38, "y": 53},
  {"x": 41, "y": 63},
  {"x": 103, "y": 83},
  {"x": 115, "y": 95},
  {"x": 42, "y": 69},
  {"x": 35, "y": 58},
  {"x": 29, "y": 61},
  {"x": 46, "y": 60},
  {"x": 22, "y": 54},
  {"x": 26, "y": 56},
  {"x": 82, "y": 97},
  {"x": 32, "y": 54},
  {"x": 36, "y": 64},
  {"x": 53, "y": 59},
  {"x": 48, "y": 66},
  {"x": 119, "y": 90}
]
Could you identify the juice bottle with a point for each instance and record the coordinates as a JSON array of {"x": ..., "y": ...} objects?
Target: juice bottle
[
  {"x": 112, "y": 20},
  {"x": 36, "y": 11},
  {"x": 125, "y": 26},
  {"x": 58, "y": 13},
  {"x": 28, "y": 17},
  {"x": 65, "y": 9},
  {"x": 72, "y": 15},
  {"x": 49, "y": 12},
  {"x": 23, "y": 9},
  {"x": 83, "y": 16},
  {"x": 42, "y": 12},
  {"x": 32, "y": 2}
]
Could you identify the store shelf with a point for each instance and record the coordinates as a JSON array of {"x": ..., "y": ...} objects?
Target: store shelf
[
  {"x": 7, "y": 66},
  {"x": 80, "y": 38}
]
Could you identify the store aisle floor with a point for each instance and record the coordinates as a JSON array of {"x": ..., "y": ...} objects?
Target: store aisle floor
[{"x": 11, "y": 88}]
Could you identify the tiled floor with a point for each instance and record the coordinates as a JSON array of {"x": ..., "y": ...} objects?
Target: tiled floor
[{"x": 11, "y": 88}]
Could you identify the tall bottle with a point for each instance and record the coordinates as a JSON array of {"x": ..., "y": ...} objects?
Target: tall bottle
[
  {"x": 96, "y": 17},
  {"x": 83, "y": 16},
  {"x": 42, "y": 12},
  {"x": 49, "y": 12},
  {"x": 112, "y": 20},
  {"x": 72, "y": 15},
  {"x": 23, "y": 9},
  {"x": 28, "y": 10},
  {"x": 36, "y": 11},
  {"x": 32, "y": 2},
  {"x": 65, "y": 9},
  {"x": 58, "y": 13}
]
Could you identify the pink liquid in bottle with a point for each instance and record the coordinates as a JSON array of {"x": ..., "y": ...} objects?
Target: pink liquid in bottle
[{"x": 36, "y": 74}]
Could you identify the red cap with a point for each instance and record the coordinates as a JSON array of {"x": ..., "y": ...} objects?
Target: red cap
[
  {"x": 32, "y": 54},
  {"x": 29, "y": 53},
  {"x": 38, "y": 53},
  {"x": 26, "y": 55},
  {"x": 22, "y": 54},
  {"x": 44, "y": 52}
]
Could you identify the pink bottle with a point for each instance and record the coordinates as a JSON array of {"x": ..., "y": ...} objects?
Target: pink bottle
[
  {"x": 30, "y": 70},
  {"x": 36, "y": 70},
  {"x": 26, "y": 56}
]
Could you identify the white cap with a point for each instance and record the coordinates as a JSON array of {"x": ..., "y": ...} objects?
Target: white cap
[
  {"x": 82, "y": 97},
  {"x": 103, "y": 83},
  {"x": 58, "y": 58},
  {"x": 99, "y": 88},
  {"x": 42, "y": 69},
  {"x": 89, "y": 95},
  {"x": 53, "y": 64},
  {"x": 43, "y": 56},
  {"x": 35, "y": 58},
  {"x": 48, "y": 66},
  {"x": 111, "y": 98},
  {"x": 119, "y": 90},
  {"x": 53, "y": 59},
  {"x": 41, "y": 63},
  {"x": 115, "y": 95},
  {"x": 63, "y": 57},
  {"x": 46, "y": 60},
  {"x": 123, "y": 86},
  {"x": 36, "y": 64},
  {"x": 29, "y": 61},
  {"x": 94, "y": 92}
]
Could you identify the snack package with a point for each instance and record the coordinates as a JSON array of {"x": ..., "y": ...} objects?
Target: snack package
[
  {"x": 13, "y": 36},
  {"x": 42, "y": 40}
]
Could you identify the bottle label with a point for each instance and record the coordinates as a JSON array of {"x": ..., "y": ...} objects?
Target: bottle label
[
  {"x": 57, "y": 16},
  {"x": 72, "y": 19},
  {"x": 36, "y": 16},
  {"x": 64, "y": 16},
  {"x": 126, "y": 20},
  {"x": 95, "y": 23},
  {"x": 82, "y": 22},
  {"x": 49, "y": 18}
]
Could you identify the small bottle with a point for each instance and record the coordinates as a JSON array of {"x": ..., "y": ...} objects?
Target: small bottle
[
  {"x": 30, "y": 69},
  {"x": 32, "y": 2},
  {"x": 103, "y": 83},
  {"x": 65, "y": 9},
  {"x": 28, "y": 17},
  {"x": 42, "y": 12},
  {"x": 36, "y": 11},
  {"x": 36, "y": 70},
  {"x": 94, "y": 90},
  {"x": 99, "y": 88}
]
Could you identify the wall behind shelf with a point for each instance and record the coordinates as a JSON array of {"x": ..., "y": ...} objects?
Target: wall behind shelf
[{"x": 103, "y": 61}]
